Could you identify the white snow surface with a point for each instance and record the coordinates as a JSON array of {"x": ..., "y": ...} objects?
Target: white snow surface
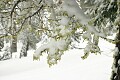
[{"x": 71, "y": 66}]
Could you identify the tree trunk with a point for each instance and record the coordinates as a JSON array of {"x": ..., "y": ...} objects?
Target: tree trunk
[
  {"x": 116, "y": 62},
  {"x": 13, "y": 45},
  {"x": 24, "y": 49},
  {"x": 1, "y": 43},
  {"x": 13, "y": 42}
]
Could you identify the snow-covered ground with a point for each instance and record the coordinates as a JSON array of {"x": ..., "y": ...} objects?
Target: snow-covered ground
[{"x": 71, "y": 66}]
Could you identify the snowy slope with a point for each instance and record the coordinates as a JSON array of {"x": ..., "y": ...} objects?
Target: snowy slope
[{"x": 71, "y": 67}]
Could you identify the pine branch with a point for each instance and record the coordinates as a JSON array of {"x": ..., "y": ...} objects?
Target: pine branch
[{"x": 111, "y": 40}]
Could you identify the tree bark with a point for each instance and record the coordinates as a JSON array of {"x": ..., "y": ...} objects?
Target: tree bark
[
  {"x": 116, "y": 62},
  {"x": 24, "y": 49},
  {"x": 13, "y": 46},
  {"x": 1, "y": 43}
]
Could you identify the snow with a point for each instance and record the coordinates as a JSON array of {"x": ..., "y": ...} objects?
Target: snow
[
  {"x": 53, "y": 46},
  {"x": 108, "y": 24},
  {"x": 119, "y": 61},
  {"x": 116, "y": 51},
  {"x": 64, "y": 31},
  {"x": 49, "y": 2},
  {"x": 112, "y": 1},
  {"x": 87, "y": 36},
  {"x": 64, "y": 21},
  {"x": 71, "y": 66},
  {"x": 73, "y": 8}
]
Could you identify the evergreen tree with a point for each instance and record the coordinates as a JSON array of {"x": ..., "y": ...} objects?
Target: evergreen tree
[{"x": 106, "y": 16}]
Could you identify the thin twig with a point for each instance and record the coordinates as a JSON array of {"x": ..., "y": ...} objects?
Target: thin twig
[
  {"x": 28, "y": 18},
  {"x": 14, "y": 7}
]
